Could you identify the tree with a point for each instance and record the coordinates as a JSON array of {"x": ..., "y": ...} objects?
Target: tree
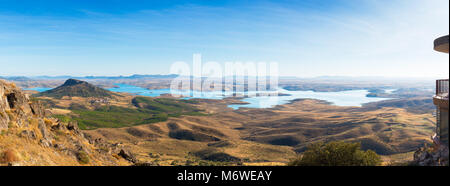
[{"x": 337, "y": 154}]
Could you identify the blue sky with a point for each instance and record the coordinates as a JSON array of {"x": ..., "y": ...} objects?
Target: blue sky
[{"x": 307, "y": 38}]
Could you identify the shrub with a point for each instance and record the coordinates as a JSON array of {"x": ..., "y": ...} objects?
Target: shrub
[
  {"x": 48, "y": 121},
  {"x": 11, "y": 124},
  {"x": 211, "y": 154},
  {"x": 8, "y": 156},
  {"x": 83, "y": 157},
  {"x": 62, "y": 118},
  {"x": 189, "y": 163},
  {"x": 174, "y": 163},
  {"x": 192, "y": 136},
  {"x": 76, "y": 106},
  {"x": 337, "y": 154}
]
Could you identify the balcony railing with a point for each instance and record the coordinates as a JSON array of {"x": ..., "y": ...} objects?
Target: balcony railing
[{"x": 442, "y": 87}]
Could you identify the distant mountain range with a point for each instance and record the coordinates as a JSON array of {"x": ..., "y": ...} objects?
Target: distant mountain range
[
  {"x": 135, "y": 76},
  {"x": 16, "y": 78},
  {"x": 76, "y": 88}
]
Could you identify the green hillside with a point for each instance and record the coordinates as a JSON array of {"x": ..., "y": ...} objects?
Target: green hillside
[{"x": 149, "y": 110}]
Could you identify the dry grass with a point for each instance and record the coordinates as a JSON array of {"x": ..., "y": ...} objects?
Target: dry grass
[
  {"x": 58, "y": 111},
  {"x": 251, "y": 131},
  {"x": 28, "y": 152}
]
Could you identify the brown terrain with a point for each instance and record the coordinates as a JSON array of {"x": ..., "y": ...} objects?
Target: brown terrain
[
  {"x": 275, "y": 136},
  {"x": 220, "y": 135}
]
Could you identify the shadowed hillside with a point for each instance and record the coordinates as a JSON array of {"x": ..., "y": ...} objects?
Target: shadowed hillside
[
  {"x": 386, "y": 130},
  {"x": 415, "y": 105}
]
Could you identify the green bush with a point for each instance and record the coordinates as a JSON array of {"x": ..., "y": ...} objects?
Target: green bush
[
  {"x": 62, "y": 118},
  {"x": 337, "y": 154},
  {"x": 76, "y": 106},
  {"x": 83, "y": 157}
]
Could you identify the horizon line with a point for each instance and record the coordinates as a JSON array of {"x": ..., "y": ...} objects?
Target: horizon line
[{"x": 285, "y": 76}]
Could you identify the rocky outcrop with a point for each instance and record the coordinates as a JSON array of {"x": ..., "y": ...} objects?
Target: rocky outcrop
[
  {"x": 128, "y": 156},
  {"x": 44, "y": 140},
  {"x": 15, "y": 107},
  {"x": 17, "y": 110},
  {"x": 437, "y": 155}
]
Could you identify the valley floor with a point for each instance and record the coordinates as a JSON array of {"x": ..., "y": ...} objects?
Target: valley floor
[{"x": 271, "y": 136}]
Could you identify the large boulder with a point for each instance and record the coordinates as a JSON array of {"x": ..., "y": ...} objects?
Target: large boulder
[
  {"x": 128, "y": 156},
  {"x": 46, "y": 137}
]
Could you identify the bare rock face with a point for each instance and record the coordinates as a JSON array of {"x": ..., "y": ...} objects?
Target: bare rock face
[
  {"x": 17, "y": 110},
  {"x": 46, "y": 137},
  {"x": 4, "y": 119},
  {"x": 127, "y": 155},
  {"x": 15, "y": 106},
  {"x": 37, "y": 109},
  {"x": 25, "y": 126},
  {"x": 432, "y": 156}
]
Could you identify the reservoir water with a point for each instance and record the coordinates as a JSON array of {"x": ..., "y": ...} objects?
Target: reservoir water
[
  {"x": 39, "y": 89},
  {"x": 342, "y": 98}
]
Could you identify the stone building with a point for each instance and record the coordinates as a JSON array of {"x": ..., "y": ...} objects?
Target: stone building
[{"x": 441, "y": 97}]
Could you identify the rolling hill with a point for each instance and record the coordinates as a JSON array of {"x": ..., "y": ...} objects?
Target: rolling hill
[
  {"x": 272, "y": 136},
  {"x": 137, "y": 111},
  {"x": 76, "y": 88},
  {"x": 418, "y": 105}
]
